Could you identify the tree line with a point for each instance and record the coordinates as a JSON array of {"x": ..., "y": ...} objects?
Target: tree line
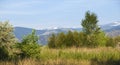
[{"x": 91, "y": 36}]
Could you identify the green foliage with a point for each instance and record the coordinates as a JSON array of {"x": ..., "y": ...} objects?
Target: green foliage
[
  {"x": 30, "y": 38},
  {"x": 51, "y": 41},
  {"x": 77, "y": 37},
  {"x": 95, "y": 40},
  {"x": 91, "y": 36},
  {"x": 110, "y": 42},
  {"x": 101, "y": 39},
  {"x": 29, "y": 46},
  {"x": 117, "y": 39},
  {"x": 94, "y": 37},
  {"x": 7, "y": 40},
  {"x": 90, "y": 23},
  {"x": 60, "y": 40},
  {"x": 3, "y": 53},
  {"x": 30, "y": 50},
  {"x": 70, "y": 39},
  {"x": 113, "y": 41}
]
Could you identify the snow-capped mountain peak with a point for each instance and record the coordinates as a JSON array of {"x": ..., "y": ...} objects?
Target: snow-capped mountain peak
[
  {"x": 115, "y": 24},
  {"x": 56, "y": 28}
]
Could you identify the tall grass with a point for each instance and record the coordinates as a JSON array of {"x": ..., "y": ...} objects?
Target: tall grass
[
  {"x": 73, "y": 56},
  {"x": 81, "y": 53}
]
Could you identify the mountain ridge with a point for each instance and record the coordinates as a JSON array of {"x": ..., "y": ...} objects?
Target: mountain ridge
[{"x": 112, "y": 29}]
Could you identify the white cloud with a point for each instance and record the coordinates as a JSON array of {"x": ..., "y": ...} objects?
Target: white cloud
[{"x": 21, "y": 4}]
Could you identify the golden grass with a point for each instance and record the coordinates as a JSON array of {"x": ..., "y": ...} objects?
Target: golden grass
[
  {"x": 72, "y": 56},
  {"x": 47, "y": 62}
]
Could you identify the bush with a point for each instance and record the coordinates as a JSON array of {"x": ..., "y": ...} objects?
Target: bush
[
  {"x": 60, "y": 41},
  {"x": 4, "y": 54},
  {"x": 110, "y": 42},
  {"x": 7, "y": 40},
  {"x": 29, "y": 46}
]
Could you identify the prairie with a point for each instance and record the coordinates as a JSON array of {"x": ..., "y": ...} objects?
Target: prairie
[{"x": 72, "y": 56}]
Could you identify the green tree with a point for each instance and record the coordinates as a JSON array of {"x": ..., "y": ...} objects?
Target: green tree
[
  {"x": 51, "y": 41},
  {"x": 70, "y": 41},
  {"x": 30, "y": 38},
  {"x": 7, "y": 40},
  {"x": 60, "y": 41},
  {"x": 89, "y": 24},
  {"x": 76, "y": 37},
  {"x": 93, "y": 35},
  {"x": 29, "y": 46}
]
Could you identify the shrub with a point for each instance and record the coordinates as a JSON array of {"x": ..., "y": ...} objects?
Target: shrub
[
  {"x": 7, "y": 40},
  {"x": 29, "y": 46}
]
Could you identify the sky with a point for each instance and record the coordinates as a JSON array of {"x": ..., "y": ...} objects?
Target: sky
[{"x": 41, "y": 14}]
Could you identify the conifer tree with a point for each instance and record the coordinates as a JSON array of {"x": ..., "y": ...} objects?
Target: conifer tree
[{"x": 29, "y": 46}]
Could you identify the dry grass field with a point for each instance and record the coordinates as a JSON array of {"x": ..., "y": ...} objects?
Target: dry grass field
[{"x": 72, "y": 56}]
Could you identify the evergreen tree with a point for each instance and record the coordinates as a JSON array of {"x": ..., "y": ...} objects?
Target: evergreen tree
[
  {"x": 30, "y": 38},
  {"x": 29, "y": 46}
]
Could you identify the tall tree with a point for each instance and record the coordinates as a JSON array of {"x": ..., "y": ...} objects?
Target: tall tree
[
  {"x": 89, "y": 24},
  {"x": 93, "y": 35}
]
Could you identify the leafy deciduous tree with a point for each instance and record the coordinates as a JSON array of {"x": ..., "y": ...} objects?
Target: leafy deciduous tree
[
  {"x": 7, "y": 40},
  {"x": 93, "y": 35},
  {"x": 51, "y": 41}
]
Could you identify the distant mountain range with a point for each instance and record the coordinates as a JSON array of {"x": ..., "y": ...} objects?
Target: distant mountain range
[{"x": 112, "y": 29}]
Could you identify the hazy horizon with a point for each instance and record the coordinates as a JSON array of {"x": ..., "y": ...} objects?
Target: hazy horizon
[{"x": 41, "y": 14}]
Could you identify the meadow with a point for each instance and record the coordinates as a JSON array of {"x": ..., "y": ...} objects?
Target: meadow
[
  {"x": 72, "y": 56},
  {"x": 91, "y": 46}
]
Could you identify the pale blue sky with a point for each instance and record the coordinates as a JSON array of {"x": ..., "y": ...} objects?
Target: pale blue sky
[{"x": 57, "y": 13}]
